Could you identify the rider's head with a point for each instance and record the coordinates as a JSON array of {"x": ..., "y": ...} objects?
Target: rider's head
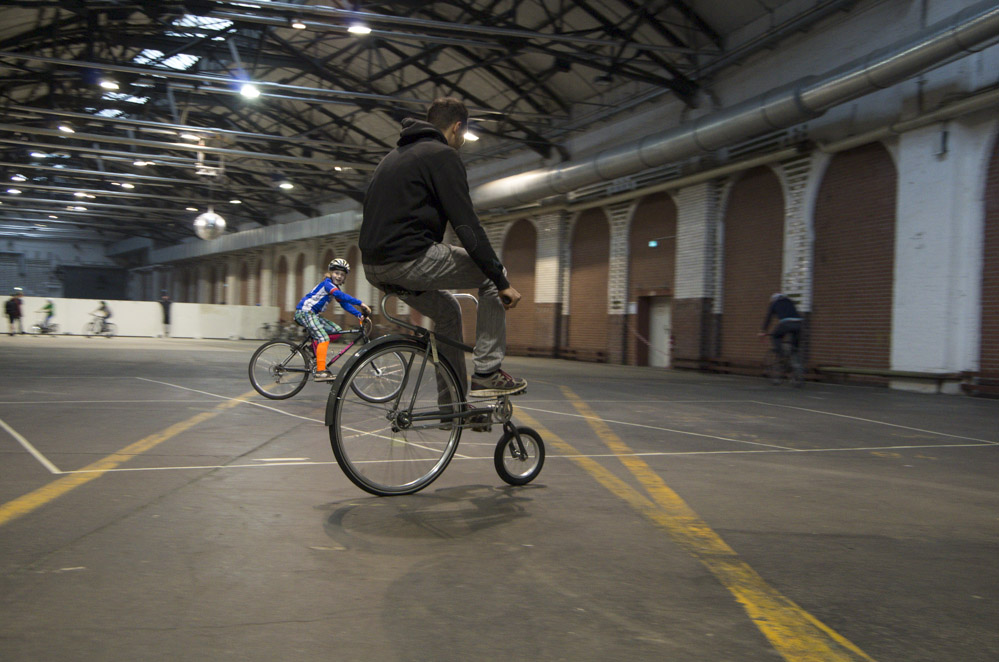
[
  {"x": 776, "y": 295},
  {"x": 450, "y": 116},
  {"x": 338, "y": 268}
]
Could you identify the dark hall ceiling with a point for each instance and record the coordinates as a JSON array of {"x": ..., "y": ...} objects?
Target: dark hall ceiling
[{"x": 534, "y": 73}]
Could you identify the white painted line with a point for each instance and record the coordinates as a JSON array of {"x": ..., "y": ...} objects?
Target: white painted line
[
  {"x": 304, "y": 418},
  {"x": 553, "y": 456},
  {"x": 86, "y": 402},
  {"x": 282, "y": 459},
  {"x": 653, "y": 427},
  {"x": 31, "y": 449},
  {"x": 870, "y": 420},
  {"x": 226, "y": 397}
]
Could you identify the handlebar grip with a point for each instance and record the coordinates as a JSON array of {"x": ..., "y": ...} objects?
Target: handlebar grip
[{"x": 506, "y": 300}]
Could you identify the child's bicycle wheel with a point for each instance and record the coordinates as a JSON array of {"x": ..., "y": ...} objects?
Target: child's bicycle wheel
[{"x": 279, "y": 370}]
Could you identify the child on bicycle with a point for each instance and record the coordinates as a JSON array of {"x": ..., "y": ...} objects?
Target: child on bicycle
[{"x": 309, "y": 309}]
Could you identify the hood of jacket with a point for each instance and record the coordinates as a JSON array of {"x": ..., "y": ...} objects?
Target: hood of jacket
[{"x": 414, "y": 129}]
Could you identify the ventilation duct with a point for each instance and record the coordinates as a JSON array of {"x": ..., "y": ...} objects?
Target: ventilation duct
[{"x": 970, "y": 30}]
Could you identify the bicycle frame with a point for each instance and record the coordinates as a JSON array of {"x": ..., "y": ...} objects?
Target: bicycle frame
[
  {"x": 307, "y": 341},
  {"x": 440, "y": 416}
]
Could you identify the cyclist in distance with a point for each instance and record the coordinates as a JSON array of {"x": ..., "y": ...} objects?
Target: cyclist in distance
[
  {"x": 416, "y": 190},
  {"x": 104, "y": 312},
  {"x": 788, "y": 321},
  {"x": 309, "y": 309}
]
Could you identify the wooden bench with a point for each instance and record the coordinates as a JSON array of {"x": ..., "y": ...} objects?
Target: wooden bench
[{"x": 940, "y": 378}]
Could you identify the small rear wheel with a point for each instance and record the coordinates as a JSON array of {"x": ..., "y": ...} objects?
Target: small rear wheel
[
  {"x": 279, "y": 370},
  {"x": 519, "y": 456}
]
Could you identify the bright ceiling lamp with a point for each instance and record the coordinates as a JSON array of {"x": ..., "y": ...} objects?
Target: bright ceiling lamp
[
  {"x": 297, "y": 24},
  {"x": 471, "y": 136},
  {"x": 18, "y": 178},
  {"x": 66, "y": 128},
  {"x": 190, "y": 136},
  {"x": 235, "y": 201},
  {"x": 249, "y": 90},
  {"x": 109, "y": 84},
  {"x": 359, "y": 29},
  {"x": 14, "y": 191}
]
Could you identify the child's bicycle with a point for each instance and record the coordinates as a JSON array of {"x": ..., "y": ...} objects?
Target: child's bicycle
[
  {"x": 281, "y": 368},
  {"x": 99, "y": 326},
  {"x": 787, "y": 365},
  {"x": 402, "y": 443},
  {"x": 41, "y": 328}
]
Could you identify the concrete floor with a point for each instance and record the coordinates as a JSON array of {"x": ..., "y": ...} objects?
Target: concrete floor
[{"x": 146, "y": 515}]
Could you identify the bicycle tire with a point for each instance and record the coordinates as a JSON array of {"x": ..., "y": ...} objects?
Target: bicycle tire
[
  {"x": 269, "y": 374},
  {"x": 91, "y": 328},
  {"x": 796, "y": 370},
  {"x": 519, "y": 463},
  {"x": 376, "y": 445},
  {"x": 380, "y": 381},
  {"x": 773, "y": 368},
  {"x": 109, "y": 330}
]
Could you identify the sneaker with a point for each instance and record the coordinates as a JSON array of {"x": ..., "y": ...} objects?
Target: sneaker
[
  {"x": 497, "y": 384},
  {"x": 322, "y": 376}
]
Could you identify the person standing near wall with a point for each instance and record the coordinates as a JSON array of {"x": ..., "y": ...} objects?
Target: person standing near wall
[
  {"x": 165, "y": 301},
  {"x": 13, "y": 311}
]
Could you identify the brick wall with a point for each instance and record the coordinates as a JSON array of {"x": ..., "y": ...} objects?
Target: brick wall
[
  {"x": 854, "y": 249},
  {"x": 651, "y": 269},
  {"x": 519, "y": 258},
  {"x": 752, "y": 256},
  {"x": 989, "y": 359},
  {"x": 590, "y": 245}
]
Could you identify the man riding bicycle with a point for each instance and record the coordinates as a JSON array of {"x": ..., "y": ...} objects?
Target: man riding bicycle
[{"x": 788, "y": 321}]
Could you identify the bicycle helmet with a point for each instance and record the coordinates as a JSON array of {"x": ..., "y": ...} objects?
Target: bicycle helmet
[{"x": 339, "y": 263}]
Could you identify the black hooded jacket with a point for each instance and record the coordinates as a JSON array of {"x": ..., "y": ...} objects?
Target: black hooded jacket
[{"x": 415, "y": 191}]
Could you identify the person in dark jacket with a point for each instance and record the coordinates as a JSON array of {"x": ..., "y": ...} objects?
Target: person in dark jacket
[
  {"x": 416, "y": 190},
  {"x": 13, "y": 311},
  {"x": 788, "y": 321}
]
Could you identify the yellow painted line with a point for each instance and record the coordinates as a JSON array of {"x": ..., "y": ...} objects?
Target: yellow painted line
[
  {"x": 793, "y": 632},
  {"x": 43, "y": 495}
]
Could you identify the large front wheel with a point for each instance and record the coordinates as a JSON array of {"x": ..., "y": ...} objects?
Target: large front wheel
[
  {"x": 400, "y": 444},
  {"x": 279, "y": 370}
]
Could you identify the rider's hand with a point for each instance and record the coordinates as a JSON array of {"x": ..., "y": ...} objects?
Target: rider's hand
[
  {"x": 366, "y": 310},
  {"x": 510, "y": 297}
]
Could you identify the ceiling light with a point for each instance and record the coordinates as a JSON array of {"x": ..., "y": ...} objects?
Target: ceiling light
[
  {"x": 39, "y": 155},
  {"x": 127, "y": 185},
  {"x": 359, "y": 29},
  {"x": 53, "y": 216},
  {"x": 297, "y": 24},
  {"x": 108, "y": 84},
  {"x": 66, "y": 128},
  {"x": 471, "y": 136},
  {"x": 190, "y": 136},
  {"x": 235, "y": 201},
  {"x": 141, "y": 163},
  {"x": 76, "y": 208},
  {"x": 249, "y": 91},
  {"x": 286, "y": 185},
  {"x": 80, "y": 194},
  {"x": 337, "y": 168},
  {"x": 192, "y": 208},
  {"x": 13, "y": 191},
  {"x": 18, "y": 178}
]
